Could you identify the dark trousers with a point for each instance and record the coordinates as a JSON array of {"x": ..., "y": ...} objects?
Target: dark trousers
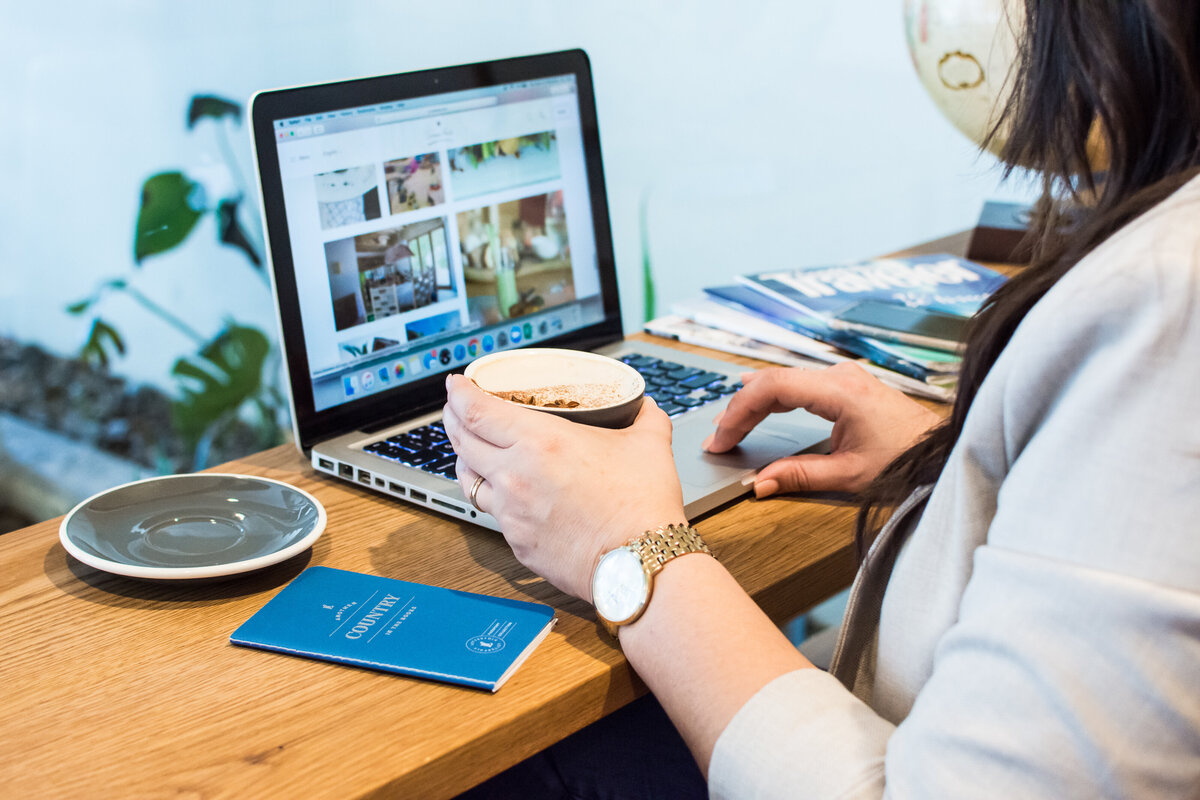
[{"x": 633, "y": 753}]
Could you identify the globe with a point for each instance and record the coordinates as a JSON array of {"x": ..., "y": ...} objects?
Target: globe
[{"x": 963, "y": 51}]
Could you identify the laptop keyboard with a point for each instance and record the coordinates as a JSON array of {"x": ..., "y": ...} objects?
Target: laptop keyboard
[
  {"x": 675, "y": 387},
  {"x": 427, "y": 448}
]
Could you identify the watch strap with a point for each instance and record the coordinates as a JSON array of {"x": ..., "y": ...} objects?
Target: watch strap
[{"x": 655, "y": 548}]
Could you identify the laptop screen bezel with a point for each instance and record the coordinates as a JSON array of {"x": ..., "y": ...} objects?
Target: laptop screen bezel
[{"x": 422, "y": 396}]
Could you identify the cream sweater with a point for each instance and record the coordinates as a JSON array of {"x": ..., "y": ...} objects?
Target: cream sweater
[{"x": 1039, "y": 635}]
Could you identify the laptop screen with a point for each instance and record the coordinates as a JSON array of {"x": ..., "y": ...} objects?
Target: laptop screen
[{"x": 427, "y": 229}]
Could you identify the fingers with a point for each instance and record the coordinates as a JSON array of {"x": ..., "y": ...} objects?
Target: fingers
[
  {"x": 466, "y": 480},
  {"x": 753, "y": 403},
  {"x": 481, "y": 456},
  {"x": 776, "y": 390},
  {"x": 758, "y": 398},
  {"x": 811, "y": 473},
  {"x": 484, "y": 415},
  {"x": 653, "y": 418},
  {"x": 466, "y": 475}
]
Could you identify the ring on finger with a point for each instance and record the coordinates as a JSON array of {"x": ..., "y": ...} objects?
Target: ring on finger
[{"x": 472, "y": 495}]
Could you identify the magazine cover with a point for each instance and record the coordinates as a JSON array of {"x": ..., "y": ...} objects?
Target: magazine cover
[{"x": 940, "y": 282}]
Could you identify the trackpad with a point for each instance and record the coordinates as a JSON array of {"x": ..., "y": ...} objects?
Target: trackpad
[{"x": 702, "y": 470}]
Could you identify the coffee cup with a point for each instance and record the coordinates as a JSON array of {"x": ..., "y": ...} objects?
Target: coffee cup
[{"x": 573, "y": 384}]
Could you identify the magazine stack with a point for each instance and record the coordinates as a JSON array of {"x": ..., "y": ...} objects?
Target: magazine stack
[{"x": 903, "y": 319}]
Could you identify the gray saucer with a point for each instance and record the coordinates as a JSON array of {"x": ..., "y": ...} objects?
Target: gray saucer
[{"x": 192, "y": 526}]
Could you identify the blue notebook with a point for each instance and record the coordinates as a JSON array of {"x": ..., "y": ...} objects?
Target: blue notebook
[{"x": 396, "y": 626}]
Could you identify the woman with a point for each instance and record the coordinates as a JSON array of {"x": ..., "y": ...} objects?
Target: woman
[{"x": 1027, "y": 623}]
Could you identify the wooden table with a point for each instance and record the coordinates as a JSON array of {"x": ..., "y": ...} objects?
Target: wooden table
[{"x": 118, "y": 688}]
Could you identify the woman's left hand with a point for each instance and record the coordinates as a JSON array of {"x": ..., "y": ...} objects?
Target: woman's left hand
[{"x": 564, "y": 493}]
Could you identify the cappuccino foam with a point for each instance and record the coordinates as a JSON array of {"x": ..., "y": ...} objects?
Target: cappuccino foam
[
  {"x": 556, "y": 379},
  {"x": 573, "y": 395}
]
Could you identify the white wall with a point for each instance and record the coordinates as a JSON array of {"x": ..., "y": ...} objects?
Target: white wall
[{"x": 759, "y": 132}]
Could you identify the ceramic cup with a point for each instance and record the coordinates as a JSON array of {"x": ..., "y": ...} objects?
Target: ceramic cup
[{"x": 575, "y": 385}]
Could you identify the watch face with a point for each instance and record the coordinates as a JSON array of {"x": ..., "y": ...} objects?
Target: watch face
[{"x": 620, "y": 587}]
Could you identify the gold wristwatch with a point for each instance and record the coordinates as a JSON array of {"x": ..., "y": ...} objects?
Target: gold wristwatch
[{"x": 624, "y": 578}]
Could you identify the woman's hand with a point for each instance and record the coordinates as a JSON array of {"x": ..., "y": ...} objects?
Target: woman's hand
[
  {"x": 564, "y": 493},
  {"x": 872, "y": 424}
]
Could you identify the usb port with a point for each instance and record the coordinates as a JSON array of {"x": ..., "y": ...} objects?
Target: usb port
[
  {"x": 380, "y": 482},
  {"x": 346, "y": 471},
  {"x": 325, "y": 464},
  {"x": 418, "y": 496},
  {"x": 395, "y": 488}
]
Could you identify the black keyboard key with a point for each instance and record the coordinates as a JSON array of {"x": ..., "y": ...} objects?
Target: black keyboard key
[
  {"x": 407, "y": 440},
  {"x": 441, "y": 465},
  {"x": 638, "y": 361},
  {"x": 671, "y": 408},
  {"x": 423, "y": 457},
  {"x": 690, "y": 402},
  {"x": 667, "y": 366},
  {"x": 683, "y": 372},
  {"x": 659, "y": 381},
  {"x": 703, "y": 379},
  {"x": 709, "y": 396}
]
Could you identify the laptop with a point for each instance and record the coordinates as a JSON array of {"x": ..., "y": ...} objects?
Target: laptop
[{"x": 418, "y": 221}]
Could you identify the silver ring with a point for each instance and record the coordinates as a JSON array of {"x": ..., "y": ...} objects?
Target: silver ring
[{"x": 475, "y": 491}]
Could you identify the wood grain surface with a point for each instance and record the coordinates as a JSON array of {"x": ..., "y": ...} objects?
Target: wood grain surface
[{"x": 120, "y": 688}]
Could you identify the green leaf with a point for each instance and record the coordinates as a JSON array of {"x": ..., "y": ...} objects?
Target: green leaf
[
  {"x": 649, "y": 308},
  {"x": 231, "y": 232},
  {"x": 80, "y": 307},
  {"x": 206, "y": 105},
  {"x": 172, "y": 204},
  {"x": 102, "y": 336},
  {"x": 216, "y": 381}
]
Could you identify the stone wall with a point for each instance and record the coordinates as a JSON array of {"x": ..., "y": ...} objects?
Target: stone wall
[{"x": 69, "y": 429}]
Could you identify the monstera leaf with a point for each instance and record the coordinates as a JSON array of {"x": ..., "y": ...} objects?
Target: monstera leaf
[
  {"x": 224, "y": 374},
  {"x": 231, "y": 232},
  {"x": 102, "y": 337},
  {"x": 207, "y": 105},
  {"x": 172, "y": 204}
]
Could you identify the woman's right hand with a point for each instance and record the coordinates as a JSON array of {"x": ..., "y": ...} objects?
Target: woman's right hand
[{"x": 872, "y": 424}]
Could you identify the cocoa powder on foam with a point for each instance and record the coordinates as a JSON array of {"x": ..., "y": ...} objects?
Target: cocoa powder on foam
[{"x": 576, "y": 395}]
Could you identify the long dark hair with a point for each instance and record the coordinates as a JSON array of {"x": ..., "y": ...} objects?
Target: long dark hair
[{"x": 1105, "y": 103}]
